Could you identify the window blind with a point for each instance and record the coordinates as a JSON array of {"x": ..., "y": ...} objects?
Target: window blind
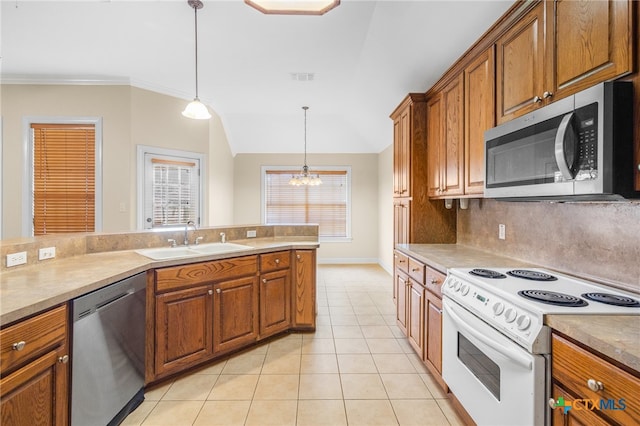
[
  {"x": 64, "y": 170},
  {"x": 324, "y": 204},
  {"x": 175, "y": 192}
]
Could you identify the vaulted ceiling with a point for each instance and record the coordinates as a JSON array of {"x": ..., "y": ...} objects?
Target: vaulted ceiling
[{"x": 365, "y": 56}]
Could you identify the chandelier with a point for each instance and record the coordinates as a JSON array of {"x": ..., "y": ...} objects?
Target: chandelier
[
  {"x": 305, "y": 177},
  {"x": 196, "y": 109}
]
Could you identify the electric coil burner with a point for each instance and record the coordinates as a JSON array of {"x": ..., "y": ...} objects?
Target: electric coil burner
[
  {"x": 487, "y": 273},
  {"x": 553, "y": 298},
  {"x": 612, "y": 299},
  {"x": 532, "y": 275}
]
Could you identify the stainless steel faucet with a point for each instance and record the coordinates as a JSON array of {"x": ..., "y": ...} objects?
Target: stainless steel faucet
[
  {"x": 223, "y": 237},
  {"x": 186, "y": 229}
]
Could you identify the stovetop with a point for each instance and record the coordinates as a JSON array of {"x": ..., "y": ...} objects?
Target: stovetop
[{"x": 506, "y": 299}]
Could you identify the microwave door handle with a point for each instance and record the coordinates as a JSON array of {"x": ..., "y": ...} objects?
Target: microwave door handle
[
  {"x": 503, "y": 350},
  {"x": 561, "y": 158}
]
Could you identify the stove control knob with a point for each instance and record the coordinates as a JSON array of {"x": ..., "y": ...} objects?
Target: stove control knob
[
  {"x": 523, "y": 322},
  {"x": 498, "y": 308},
  {"x": 458, "y": 284},
  {"x": 510, "y": 315},
  {"x": 464, "y": 289}
]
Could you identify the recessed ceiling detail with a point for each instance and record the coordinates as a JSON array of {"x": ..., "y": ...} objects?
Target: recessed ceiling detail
[
  {"x": 302, "y": 76},
  {"x": 293, "y": 7}
]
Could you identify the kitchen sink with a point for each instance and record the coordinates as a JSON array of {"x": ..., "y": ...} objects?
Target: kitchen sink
[{"x": 164, "y": 253}]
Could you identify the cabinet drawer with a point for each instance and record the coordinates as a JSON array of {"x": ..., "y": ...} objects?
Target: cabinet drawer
[
  {"x": 401, "y": 261},
  {"x": 433, "y": 280},
  {"x": 34, "y": 335},
  {"x": 176, "y": 277},
  {"x": 274, "y": 261},
  {"x": 573, "y": 367},
  {"x": 416, "y": 270}
]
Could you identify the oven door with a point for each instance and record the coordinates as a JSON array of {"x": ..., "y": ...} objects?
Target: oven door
[{"x": 497, "y": 381}]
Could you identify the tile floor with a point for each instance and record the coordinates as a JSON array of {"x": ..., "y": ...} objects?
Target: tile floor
[{"x": 356, "y": 369}]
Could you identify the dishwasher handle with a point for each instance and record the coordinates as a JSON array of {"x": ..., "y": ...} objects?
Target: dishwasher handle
[{"x": 113, "y": 299}]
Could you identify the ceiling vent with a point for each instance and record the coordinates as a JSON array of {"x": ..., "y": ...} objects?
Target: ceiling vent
[{"x": 302, "y": 76}]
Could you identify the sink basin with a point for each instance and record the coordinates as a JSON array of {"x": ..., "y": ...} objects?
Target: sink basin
[
  {"x": 164, "y": 253},
  {"x": 216, "y": 248}
]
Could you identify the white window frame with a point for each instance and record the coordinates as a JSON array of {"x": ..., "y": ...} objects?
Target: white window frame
[
  {"x": 263, "y": 188},
  {"x": 27, "y": 178},
  {"x": 141, "y": 151}
]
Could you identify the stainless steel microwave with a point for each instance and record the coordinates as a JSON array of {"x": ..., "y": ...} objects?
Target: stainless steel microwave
[{"x": 580, "y": 147}]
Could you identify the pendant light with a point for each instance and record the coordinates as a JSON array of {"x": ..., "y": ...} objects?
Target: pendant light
[
  {"x": 196, "y": 109},
  {"x": 305, "y": 178}
]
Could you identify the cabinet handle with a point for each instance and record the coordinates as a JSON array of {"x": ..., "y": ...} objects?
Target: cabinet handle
[
  {"x": 299, "y": 258},
  {"x": 19, "y": 346},
  {"x": 277, "y": 261},
  {"x": 264, "y": 280},
  {"x": 63, "y": 359},
  {"x": 537, "y": 99},
  {"x": 434, "y": 281},
  {"x": 552, "y": 403},
  {"x": 638, "y": 167},
  {"x": 210, "y": 292},
  {"x": 218, "y": 291},
  {"x": 415, "y": 269},
  {"x": 595, "y": 385},
  {"x": 546, "y": 95}
]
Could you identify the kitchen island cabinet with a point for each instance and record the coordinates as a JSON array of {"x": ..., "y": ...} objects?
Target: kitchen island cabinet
[
  {"x": 304, "y": 276},
  {"x": 35, "y": 374},
  {"x": 235, "y": 303},
  {"x": 275, "y": 293}
]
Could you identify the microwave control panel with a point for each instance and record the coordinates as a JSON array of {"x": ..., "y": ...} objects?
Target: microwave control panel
[{"x": 587, "y": 128}]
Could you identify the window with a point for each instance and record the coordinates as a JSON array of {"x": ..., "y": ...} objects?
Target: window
[
  {"x": 171, "y": 185},
  {"x": 64, "y": 178},
  {"x": 328, "y": 204}
]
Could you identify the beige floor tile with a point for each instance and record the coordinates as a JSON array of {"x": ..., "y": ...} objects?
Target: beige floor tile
[
  {"x": 362, "y": 386},
  {"x": 157, "y": 392},
  {"x": 194, "y": 387},
  {"x": 377, "y": 332},
  {"x": 246, "y": 363},
  {"x": 223, "y": 413},
  {"x": 449, "y": 412},
  {"x": 277, "y": 386},
  {"x": 215, "y": 368},
  {"x": 338, "y": 301},
  {"x": 373, "y": 319},
  {"x": 318, "y": 364},
  {"x": 405, "y": 386},
  {"x": 141, "y": 412},
  {"x": 277, "y": 413},
  {"x": 370, "y": 413},
  {"x": 404, "y": 344},
  {"x": 347, "y": 332},
  {"x": 393, "y": 363},
  {"x": 323, "y": 320},
  {"x": 323, "y": 309},
  {"x": 320, "y": 386},
  {"x": 341, "y": 310},
  {"x": 234, "y": 387},
  {"x": 323, "y": 332},
  {"x": 173, "y": 413},
  {"x": 318, "y": 346},
  {"x": 433, "y": 386},
  {"x": 390, "y": 319},
  {"x": 417, "y": 362},
  {"x": 424, "y": 412},
  {"x": 366, "y": 310},
  {"x": 290, "y": 343},
  {"x": 281, "y": 363},
  {"x": 356, "y": 363},
  {"x": 321, "y": 413},
  {"x": 351, "y": 346},
  {"x": 344, "y": 319},
  {"x": 384, "y": 346}
]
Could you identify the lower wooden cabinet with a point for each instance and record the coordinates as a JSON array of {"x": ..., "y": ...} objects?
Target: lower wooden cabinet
[
  {"x": 235, "y": 323},
  {"x": 401, "y": 283},
  {"x": 35, "y": 371},
  {"x": 275, "y": 302},
  {"x": 415, "y": 315},
  {"x": 433, "y": 332},
  {"x": 304, "y": 297}
]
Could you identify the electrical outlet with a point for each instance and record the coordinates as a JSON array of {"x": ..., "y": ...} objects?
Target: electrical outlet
[
  {"x": 46, "y": 253},
  {"x": 502, "y": 230},
  {"x": 251, "y": 234},
  {"x": 14, "y": 259}
]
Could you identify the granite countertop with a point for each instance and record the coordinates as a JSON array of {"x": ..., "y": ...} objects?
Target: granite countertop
[
  {"x": 28, "y": 290},
  {"x": 615, "y": 336}
]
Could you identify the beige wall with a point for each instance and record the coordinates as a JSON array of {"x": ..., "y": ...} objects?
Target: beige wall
[
  {"x": 364, "y": 193},
  {"x": 130, "y": 116},
  {"x": 385, "y": 208}
]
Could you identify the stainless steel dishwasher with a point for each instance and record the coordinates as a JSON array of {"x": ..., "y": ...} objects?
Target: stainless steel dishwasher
[{"x": 107, "y": 370}]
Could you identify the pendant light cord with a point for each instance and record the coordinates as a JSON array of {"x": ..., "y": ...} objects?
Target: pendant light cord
[
  {"x": 195, "y": 8},
  {"x": 305, "y": 108}
]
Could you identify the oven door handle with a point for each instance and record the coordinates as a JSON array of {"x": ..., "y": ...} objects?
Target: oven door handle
[{"x": 503, "y": 350}]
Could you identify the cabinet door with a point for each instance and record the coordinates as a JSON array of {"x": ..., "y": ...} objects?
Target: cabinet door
[
  {"x": 304, "y": 317},
  {"x": 397, "y": 157},
  {"x": 591, "y": 43},
  {"x": 434, "y": 144},
  {"x": 433, "y": 352},
  {"x": 183, "y": 329},
  {"x": 415, "y": 316},
  {"x": 37, "y": 394},
  {"x": 404, "y": 152},
  {"x": 401, "y": 283},
  {"x": 275, "y": 302},
  {"x": 479, "y": 115},
  {"x": 452, "y": 153},
  {"x": 235, "y": 307},
  {"x": 401, "y": 222},
  {"x": 520, "y": 66}
]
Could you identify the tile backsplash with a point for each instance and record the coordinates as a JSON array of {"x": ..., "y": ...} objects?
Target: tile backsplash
[{"x": 598, "y": 241}]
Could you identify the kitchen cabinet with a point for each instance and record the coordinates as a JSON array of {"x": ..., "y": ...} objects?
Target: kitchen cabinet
[
  {"x": 559, "y": 48},
  {"x": 479, "y": 116},
  {"x": 579, "y": 373},
  {"x": 304, "y": 306},
  {"x": 433, "y": 333},
  {"x": 401, "y": 220},
  {"x": 275, "y": 293},
  {"x": 34, "y": 355},
  {"x": 415, "y": 305},
  {"x": 445, "y": 135},
  {"x": 235, "y": 319}
]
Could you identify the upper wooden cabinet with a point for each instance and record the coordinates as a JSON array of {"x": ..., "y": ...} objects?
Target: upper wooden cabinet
[{"x": 559, "y": 48}]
